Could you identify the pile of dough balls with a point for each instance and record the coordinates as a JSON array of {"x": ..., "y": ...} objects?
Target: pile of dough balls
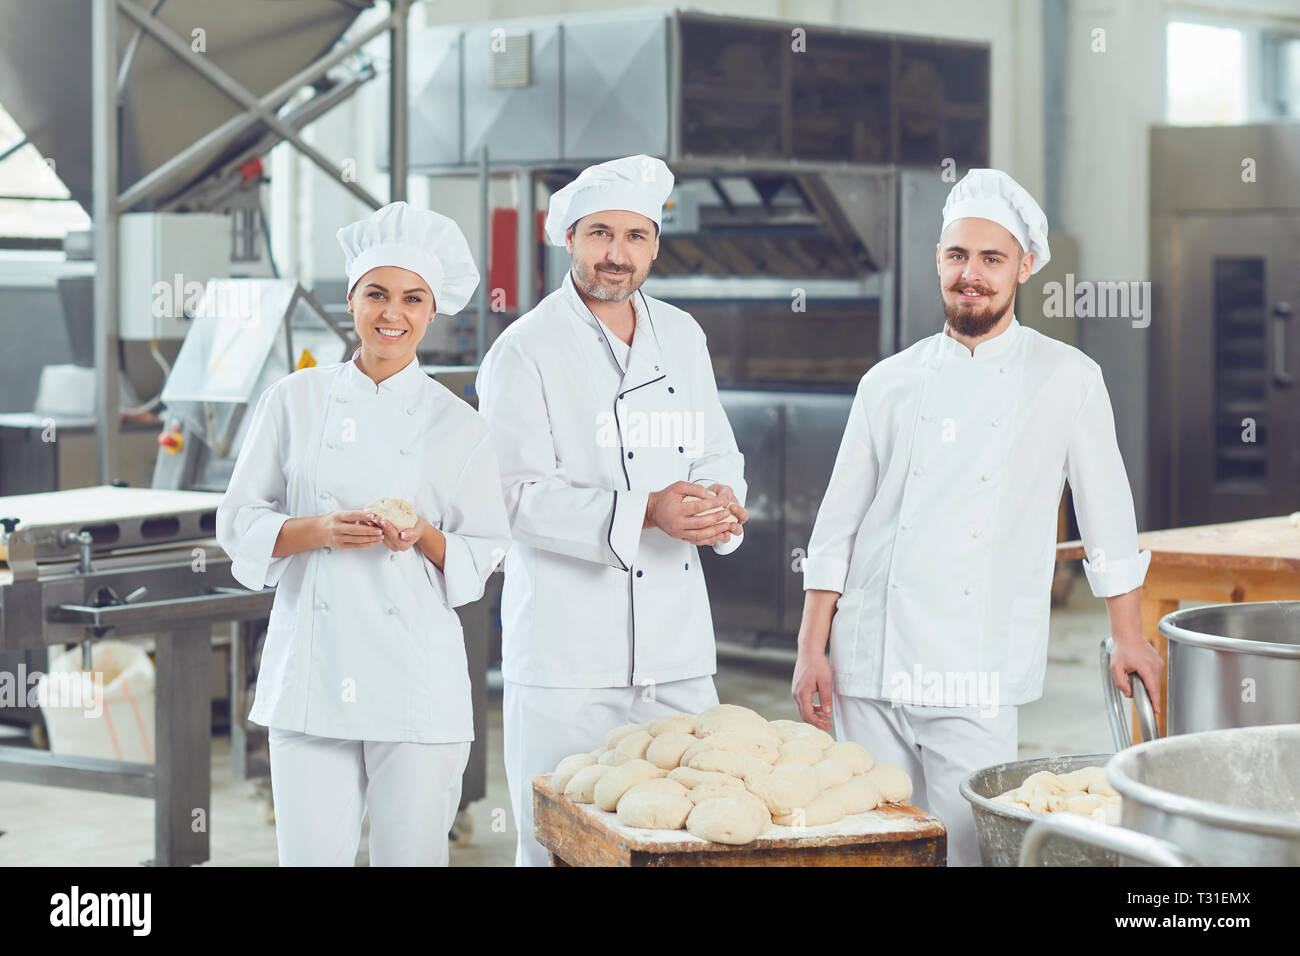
[
  {"x": 727, "y": 775},
  {"x": 1084, "y": 791}
]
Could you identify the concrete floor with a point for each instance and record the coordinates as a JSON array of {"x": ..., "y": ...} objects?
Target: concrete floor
[{"x": 50, "y": 826}]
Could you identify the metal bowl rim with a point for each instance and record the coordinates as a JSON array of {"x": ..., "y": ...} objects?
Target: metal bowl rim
[
  {"x": 1171, "y": 628},
  {"x": 1219, "y": 814}
]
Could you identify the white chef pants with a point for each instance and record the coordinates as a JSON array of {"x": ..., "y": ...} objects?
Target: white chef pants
[
  {"x": 545, "y": 724},
  {"x": 323, "y": 787},
  {"x": 938, "y": 747}
]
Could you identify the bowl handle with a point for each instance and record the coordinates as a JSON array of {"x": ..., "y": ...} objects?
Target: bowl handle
[
  {"x": 1116, "y": 709},
  {"x": 1108, "y": 836}
]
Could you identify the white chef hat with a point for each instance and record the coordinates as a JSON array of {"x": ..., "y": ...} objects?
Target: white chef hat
[
  {"x": 638, "y": 184},
  {"x": 425, "y": 242},
  {"x": 992, "y": 194}
]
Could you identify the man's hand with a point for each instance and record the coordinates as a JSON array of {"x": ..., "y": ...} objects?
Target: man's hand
[
  {"x": 727, "y": 499},
  {"x": 812, "y": 675},
  {"x": 396, "y": 540},
  {"x": 669, "y": 511},
  {"x": 347, "y": 529},
  {"x": 1136, "y": 654}
]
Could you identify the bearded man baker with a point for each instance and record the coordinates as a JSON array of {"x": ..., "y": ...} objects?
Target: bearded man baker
[
  {"x": 930, "y": 563},
  {"x": 604, "y": 410}
]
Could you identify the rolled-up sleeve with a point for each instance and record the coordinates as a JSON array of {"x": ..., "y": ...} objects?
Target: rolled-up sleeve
[
  {"x": 848, "y": 496},
  {"x": 475, "y": 525},
  {"x": 546, "y": 511},
  {"x": 719, "y": 461},
  {"x": 1103, "y": 500},
  {"x": 256, "y": 502}
]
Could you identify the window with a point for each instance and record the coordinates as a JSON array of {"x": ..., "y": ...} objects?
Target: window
[
  {"x": 27, "y": 222},
  {"x": 1206, "y": 79}
]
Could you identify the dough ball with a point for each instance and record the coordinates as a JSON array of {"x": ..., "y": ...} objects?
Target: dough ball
[
  {"x": 676, "y": 724},
  {"x": 827, "y": 807},
  {"x": 733, "y": 820},
  {"x": 725, "y": 761},
  {"x": 401, "y": 514},
  {"x": 634, "y": 745},
  {"x": 854, "y": 756},
  {"x": 666, "y": 750},
  {"x": 582, "y": 786},
  {"x": 799, "y": 751},
  {"x": 566, "y": 768},
  {"x": 707, "y": 791},
  {"x": 1083, "y": 803},
  {"x": 798, "y": 730},
  {"x": 764, "y": 748},
  {"x": 895, "y": 786},
  {"x": 1091, "y": 779},
  {"x": 652, "y": 808},
  {"x": 730, "y": 519},
  {"x": 618, "y": 733},
  {"x": 859, "y": 794},
  {"x": 831, "y": 773},
  {"x": 732, "y": 718},
  {"x": 621, "y": 779},
  {"x": 786, "y": 788},
  {"x": 691, "y": 778},
  {"x": 613, "y": 758}
]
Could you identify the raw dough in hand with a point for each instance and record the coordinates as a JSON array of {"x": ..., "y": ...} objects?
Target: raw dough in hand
[
  {"x": 401, "y": 514},
  {"x": 582, "y": 786},
  {"x": 677, "y": 723},
  {"x": 788, "y": 787},
  {"x": 854, "y": 756},
  {"x": 827, "y": 807},
  {"x": 730, "y": 519},
  {"x": 895, "y": 786},
  {"x": 859, "y": 795},
  {"x": 620, "y": 780},
  {"x": 665, "y": 751},
  {"x": 566, "y": 768}
]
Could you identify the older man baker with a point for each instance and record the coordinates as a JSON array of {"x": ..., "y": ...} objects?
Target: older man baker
[
  {"x": 930, "y": 564},
  {"x": 605, "y": 414}
]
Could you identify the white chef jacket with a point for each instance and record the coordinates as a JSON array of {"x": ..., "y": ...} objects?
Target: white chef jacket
[
  {"x": 363, "y": 643},
  {"x": 585, "y": 427},
  {"x": 939, "y": 523}
]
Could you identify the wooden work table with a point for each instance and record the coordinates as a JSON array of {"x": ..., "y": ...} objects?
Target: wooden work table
[
  {"x": 1256, "y": 560},
  {"x": 583, "y": 835}
]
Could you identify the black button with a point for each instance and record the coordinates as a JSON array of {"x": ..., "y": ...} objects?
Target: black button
[
  {"x": 629, "y": 454},
  {"x": 688, "y": 565},
  {"x": 638, "y": 574},
  {"x": 681, "y": 449},
  {"x": 670, "y": 389}
]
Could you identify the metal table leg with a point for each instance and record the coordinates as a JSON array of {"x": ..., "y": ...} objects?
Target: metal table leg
[{"x": 182, "y": 798}]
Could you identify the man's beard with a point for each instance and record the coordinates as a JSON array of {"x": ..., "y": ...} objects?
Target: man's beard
[
  {"x": 975, "y": 322},
  {"x": 589, "y": 277}
]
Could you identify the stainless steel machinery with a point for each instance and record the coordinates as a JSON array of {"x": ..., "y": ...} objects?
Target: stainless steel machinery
[
  {"x": 1225, "y": 358},
  {"x": 89, "y": 563}
]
